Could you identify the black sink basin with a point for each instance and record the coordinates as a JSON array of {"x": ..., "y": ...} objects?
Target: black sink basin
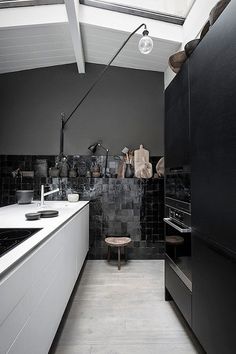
[{"x": 10, "y": 238}]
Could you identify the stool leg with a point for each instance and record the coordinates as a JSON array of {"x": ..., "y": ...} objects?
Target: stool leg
[
  {"x": 108, "y": 253},
  {"x": 174, "y": 252},
  {"x": 118, "y": 258},
  {"x": 126, "y": 254}
]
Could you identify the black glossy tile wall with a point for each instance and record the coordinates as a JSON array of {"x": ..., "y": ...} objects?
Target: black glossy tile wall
[{"x": 128, "y": 206}]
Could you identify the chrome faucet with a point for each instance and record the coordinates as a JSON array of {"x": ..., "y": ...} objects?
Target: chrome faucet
[{"x": 47, "y": 193}]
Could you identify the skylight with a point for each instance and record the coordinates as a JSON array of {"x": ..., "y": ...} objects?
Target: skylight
[
  {"x": 173, "y": 11},
  {"x": 179, "y": 8},
  {"x": 19, "y": 3}
]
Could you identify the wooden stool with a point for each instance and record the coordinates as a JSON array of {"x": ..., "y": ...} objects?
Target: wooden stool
[
  {"x": 174, "y": 241},
  {"x": 117, "y": 242}
]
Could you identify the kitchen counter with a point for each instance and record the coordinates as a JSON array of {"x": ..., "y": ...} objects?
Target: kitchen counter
[
  {"x": 38, "y": 275},
  {"x": 13, "y": 216}
]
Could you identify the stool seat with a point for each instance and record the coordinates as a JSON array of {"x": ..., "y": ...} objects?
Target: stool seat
[
  {"x": 117, "y": 241},
  {"x": 174, "y": 240}
]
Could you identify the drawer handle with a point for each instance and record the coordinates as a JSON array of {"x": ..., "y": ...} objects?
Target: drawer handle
[{"x": 178, "y": 228}]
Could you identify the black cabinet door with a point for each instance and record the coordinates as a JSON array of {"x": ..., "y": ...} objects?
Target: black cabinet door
[
  {"x": 177, "y": 120},
  {"x": 213, "y": 298},
  {"x": 213, "y": 131}
]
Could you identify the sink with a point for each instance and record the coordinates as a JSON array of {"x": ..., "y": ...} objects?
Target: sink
[{"x": 10, "y": 238}]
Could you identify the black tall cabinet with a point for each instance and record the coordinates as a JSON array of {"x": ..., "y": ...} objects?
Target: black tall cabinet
[
  {"x": 213, "y": 155},
  {"x": 177, "y": 133},
  {"x": 212, "y": 112},
  {"x": 178, "y": 285}
]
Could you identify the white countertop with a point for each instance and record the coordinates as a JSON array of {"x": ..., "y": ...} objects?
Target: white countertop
[{"x": 13, "y": 216}]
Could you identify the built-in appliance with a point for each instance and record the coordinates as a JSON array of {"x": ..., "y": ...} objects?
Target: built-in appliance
[
  {"x": 178, "y": 219},
  {"x": 10, "y": 238},
  {"x": 178, "y": 224},
  {"x": 178, "y": 188}
]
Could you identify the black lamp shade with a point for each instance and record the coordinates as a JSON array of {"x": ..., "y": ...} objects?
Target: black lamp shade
[{"x": 93, "y": 147}]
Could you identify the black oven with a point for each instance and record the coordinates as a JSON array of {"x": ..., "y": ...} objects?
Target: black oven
[
  {"x": 178, "y": 219},
  {"x": 178, "y": 188}
]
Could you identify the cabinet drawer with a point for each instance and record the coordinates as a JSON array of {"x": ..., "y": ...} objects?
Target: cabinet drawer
[{"x": 179, "y": 292}]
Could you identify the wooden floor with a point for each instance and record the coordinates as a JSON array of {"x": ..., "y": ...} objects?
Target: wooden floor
[{"x": 123, "y": 312}]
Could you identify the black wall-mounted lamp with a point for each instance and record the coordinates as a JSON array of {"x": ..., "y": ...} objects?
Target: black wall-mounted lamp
[
  {"x": 93, "y": 149},
  {"x": 145, "y": 47}
]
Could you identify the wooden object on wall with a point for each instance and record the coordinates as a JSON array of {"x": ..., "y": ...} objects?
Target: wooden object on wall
[
  {"x": 142, "y": 166},
  {"x": 191, "y": 45},
  {"x": 160, "y": 167}
]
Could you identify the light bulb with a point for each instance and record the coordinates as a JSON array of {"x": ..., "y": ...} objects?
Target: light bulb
[{"x": 146, "y": 43}]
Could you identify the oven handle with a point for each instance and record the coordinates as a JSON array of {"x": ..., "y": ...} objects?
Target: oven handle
[{"x": 178, "y": 228}]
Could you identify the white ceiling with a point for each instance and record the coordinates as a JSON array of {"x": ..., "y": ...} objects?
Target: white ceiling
[
  {"x": 35, "y": 46},
  {"x": 100, "y": 44},
  {"x": 31, "y": 38}
]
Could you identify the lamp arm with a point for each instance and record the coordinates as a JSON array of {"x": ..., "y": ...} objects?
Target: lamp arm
[
  {"x": 101, "y": 74},
  {"x": 62, "y": 134},
  {"x": 64, "y": 120},
  {"x": 106, "y": 163},
  {"x": 99, "y": 144}
]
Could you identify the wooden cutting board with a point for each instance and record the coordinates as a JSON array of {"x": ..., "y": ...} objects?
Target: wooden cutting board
[{"x": 140, "y": 156}]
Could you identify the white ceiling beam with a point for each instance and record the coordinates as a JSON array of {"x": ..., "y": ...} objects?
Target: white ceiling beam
[{"x": 72, "y": 8}]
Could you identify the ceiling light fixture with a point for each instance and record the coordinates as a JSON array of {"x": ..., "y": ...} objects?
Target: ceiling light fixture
[
  {"x": 145, "y": 46},
  {"x": 146, "y": 43}
]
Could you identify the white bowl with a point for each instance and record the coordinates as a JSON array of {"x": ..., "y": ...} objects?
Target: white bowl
[{"x": 73, "y": 197}]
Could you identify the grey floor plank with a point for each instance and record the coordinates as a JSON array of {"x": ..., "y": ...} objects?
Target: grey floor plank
[
  {"x": 123, "y": 312},
  {"x": 73, "y": 349}
]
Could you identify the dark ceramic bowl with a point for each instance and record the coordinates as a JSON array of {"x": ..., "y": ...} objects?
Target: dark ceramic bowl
[
  {"x": 217, "y": 10},
  {"x": 190, "y": 46},
  {"x": 32, "y": 216},
  {"x": 205, "y": 29},
  {"x": 24, "y": 196},
  {"x": 54, "y": 172},
  {"x": 176, "y": 61},
  {"x": 48, "y": 213}
]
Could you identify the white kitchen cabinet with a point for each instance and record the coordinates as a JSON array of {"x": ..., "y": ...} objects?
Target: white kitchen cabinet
[{"x": 34, "y": 294}]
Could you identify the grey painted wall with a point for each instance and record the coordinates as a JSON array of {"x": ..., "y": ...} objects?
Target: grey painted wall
[{"x": 125, "y": 109}]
